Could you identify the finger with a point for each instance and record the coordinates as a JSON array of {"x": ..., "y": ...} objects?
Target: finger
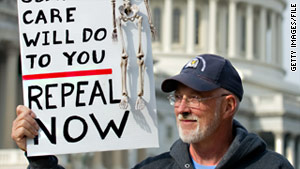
[
  {"x": 24, "y": 123},
  {"x": 22, "y": 146},
  {"x": 32, "y": 114},
  {"x": 22, "y": 109},
  {"x": 27, "y": 125},
  {"x": 32, "y": 121},
  {"x": 28, "y": 122},
  {"x": 20, "y": 134},
  {"x": 29, "y": 118}
]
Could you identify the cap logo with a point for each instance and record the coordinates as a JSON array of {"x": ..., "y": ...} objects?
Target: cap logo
[{"x": 192, "y": 63}]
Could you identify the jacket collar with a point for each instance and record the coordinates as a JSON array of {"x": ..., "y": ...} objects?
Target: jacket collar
[
  {"x": 243, "y": 144},
  {"x": 180, "y": 152}
]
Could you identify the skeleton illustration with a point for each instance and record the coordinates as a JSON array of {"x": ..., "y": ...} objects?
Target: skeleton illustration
[
  {"x": 127, "y": 2},
  {"x": 129, "y": 12}
]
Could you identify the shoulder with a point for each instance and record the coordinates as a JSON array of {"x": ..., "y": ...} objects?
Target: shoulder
[
  {"x": 50, "y": 162},
  {"x": 278, "y": 160},
  {"x": 160, "y": 161},
  {"x": 272, "y": 160},
  {"x": 176, "y": 157}
]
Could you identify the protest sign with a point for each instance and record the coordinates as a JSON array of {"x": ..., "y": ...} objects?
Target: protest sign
[{"x": 72, "y": 77}]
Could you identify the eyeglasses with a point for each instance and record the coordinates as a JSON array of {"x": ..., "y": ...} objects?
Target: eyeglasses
[{"x": 192, "y": 102}]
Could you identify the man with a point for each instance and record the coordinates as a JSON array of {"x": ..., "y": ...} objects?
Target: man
[{"x": 207, "y": 93}]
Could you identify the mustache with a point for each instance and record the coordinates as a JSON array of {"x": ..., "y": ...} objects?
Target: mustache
[{"x": 187, "y": 116}]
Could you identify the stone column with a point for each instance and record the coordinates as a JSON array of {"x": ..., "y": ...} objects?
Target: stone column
[
  {"x": 3, "y": 73},
  {"x": 263, "y": 29},
  {"x": 232, "y": 29},
  {"x": 76, "y": 161},
  {"x": 222, "y": 30},
  {"x": 11, "y": 92},
  {"x": 132, "y": 157},
  {"x": 249, "y": 32},
  {"x": 290, "y": 150},
  {"x": 279, "y": 142},
  {"x": 204, "y": 28},
  {"x": 279, "y": 60},
  {"x": 212, "y": 26},
  {"x": 141, "y": 154},
  {"x": 98, "y": 161},
  {"x": 167, "y": 25},
  {"x": 273, "y": 38},
  {"x": 190, "y": 26},
  {"x": 117, "y": 159},
  {"x": 298, "y": 153}
]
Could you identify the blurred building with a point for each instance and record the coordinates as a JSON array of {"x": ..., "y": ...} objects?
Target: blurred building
[{"x": 248, "y": 32}]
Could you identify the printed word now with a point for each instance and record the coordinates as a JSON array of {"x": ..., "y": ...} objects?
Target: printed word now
[{"x": 73, "y": 139}]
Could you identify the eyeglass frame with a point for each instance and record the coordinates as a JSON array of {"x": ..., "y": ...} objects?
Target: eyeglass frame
[{"x": 172, "y": 99}]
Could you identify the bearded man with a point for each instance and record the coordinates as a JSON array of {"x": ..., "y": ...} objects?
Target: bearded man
[{"x": 206, "y": 95}]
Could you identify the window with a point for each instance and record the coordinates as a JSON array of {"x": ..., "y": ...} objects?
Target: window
[
  {"x": 157, "y": 23},
  {"x": 176, "y": 25}
]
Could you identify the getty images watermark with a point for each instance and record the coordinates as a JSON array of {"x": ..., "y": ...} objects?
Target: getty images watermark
[{"x": 293, "y": 37}]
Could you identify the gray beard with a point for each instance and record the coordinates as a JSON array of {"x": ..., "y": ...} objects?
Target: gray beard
[{"x": 201, "y": 132}]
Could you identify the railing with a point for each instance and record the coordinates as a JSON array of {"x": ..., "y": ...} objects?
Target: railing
[{"x": 12, "y": 159}]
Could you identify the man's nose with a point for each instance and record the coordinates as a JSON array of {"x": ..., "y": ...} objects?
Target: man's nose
[{"x": 183, "y": 104}]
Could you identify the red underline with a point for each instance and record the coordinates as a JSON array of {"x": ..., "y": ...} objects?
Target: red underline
[{"x": 67, "y": 74}]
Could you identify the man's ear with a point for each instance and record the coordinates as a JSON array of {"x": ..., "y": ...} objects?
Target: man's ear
[{"x": 231, "y": 105}]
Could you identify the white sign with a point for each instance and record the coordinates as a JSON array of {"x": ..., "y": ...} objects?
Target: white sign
[{"x": 72, "y": 77}]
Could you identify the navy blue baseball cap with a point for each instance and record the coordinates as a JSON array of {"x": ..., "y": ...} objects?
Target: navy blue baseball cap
[{"x": 207, "y": 72}]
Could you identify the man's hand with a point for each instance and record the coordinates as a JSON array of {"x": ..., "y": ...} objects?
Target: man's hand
[{"x": 24, "y": 126}]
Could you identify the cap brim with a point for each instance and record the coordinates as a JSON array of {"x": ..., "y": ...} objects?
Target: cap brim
[{"x": 189, "y": 80}]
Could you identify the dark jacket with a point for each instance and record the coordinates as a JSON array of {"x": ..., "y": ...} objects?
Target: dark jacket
[{"x": 247, "y": 151}]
